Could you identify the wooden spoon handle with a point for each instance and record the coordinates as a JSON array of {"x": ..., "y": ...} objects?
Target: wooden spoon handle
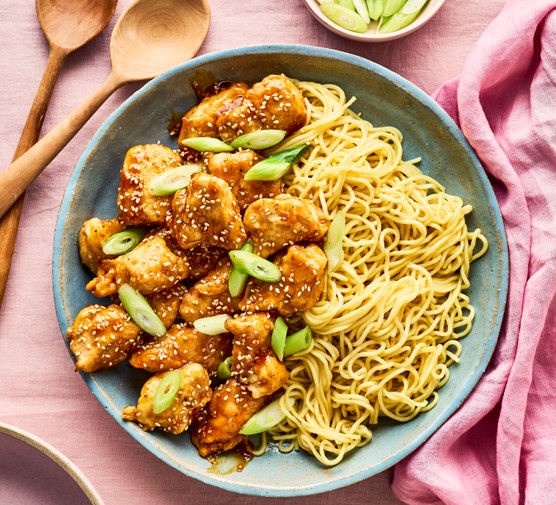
[
  {"x": 29, "y": 136},
  {"x": 17, "y": 177}
]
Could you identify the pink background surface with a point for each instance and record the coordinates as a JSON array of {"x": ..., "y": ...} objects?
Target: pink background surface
[{"x": 39, "y": 391}]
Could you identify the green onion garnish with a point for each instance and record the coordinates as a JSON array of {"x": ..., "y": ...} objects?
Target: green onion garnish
[
  {"x": 210, "y": 144},
  {"x": 333, "y": 243},
  {"x": 264, "y": 419},
  {"x": 260, "y": 139},
  {"x": 238, "y": 280},
  {"x": 166, "y": 391},
  {"x": 298, "y": 341},
  {"x": 212, "y": 325},
  {"x": 255, "y": 266},
  {"x": 123, "y": 241},
  {"x": 278, "y": 339},
  {"x": 276, "y": 166},
  {"x": 140, "y": 311},
  {"x": 167, "y": 183},
  {"x": 224, "y": 370}
]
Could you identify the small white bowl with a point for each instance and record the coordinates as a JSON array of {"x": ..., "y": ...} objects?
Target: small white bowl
[
  {"x": 430, "y": 9},
  {"x": 32, "y": 471}
]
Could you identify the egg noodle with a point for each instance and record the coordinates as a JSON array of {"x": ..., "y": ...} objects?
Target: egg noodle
[{"x": 386, "y": 328}]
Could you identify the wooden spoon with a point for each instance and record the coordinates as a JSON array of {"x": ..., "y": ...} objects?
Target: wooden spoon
[
  {"x": 66, "y": 29},
  {"x": 151, "y": 37}
]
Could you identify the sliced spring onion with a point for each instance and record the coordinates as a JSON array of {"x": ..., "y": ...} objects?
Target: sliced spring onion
[
  {"x": 260, "y": 139},
  {"x": 167, "y": 183},
  {"x": 403, "y": 17},
  {"x": 238, "y": 280},
  {"x": 362, "y": 10},
  {"x": 348, "y": 4},
  {"x": 140, "y": 311},
  {"x": 255, "y": 266},
  {"x": 266, "y": 418},
  {"x": 275, "y": 166},
  {"x": 378, "y": 7},
  {"x": 224, "y": 370},
  {"x": 392, "y": 6},
  {"x": 211, "y": 144},
  {"x": 212, "y": 325},
  {"x": 298, "y": 341},
  {"x": 333, "y": 243},
  {"x": 123, "y": 241},
  {"x": 344, "y": 17},
  {"x": 278, "y": 339},
  {"x": 166, "y": 391}
]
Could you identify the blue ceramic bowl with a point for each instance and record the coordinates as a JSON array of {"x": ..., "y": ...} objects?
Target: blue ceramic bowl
[{"x": 385, "y": 99}]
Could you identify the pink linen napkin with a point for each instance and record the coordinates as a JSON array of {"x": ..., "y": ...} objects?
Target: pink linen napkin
[{"x": 500, "y": 447}]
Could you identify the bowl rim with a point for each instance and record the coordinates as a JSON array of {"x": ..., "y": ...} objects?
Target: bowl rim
[
  {"x": 334, "y": 482},
  {"x": 423, "y": 18},
  {"x": 55, "y": 455}
]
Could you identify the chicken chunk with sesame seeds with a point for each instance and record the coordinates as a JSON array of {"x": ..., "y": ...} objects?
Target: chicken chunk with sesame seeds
[
  {"x": 202, "y": 259},
  {"x": 182, "y": 344},
  {"x": 231, "y": 167},
  {"x": 303, "y": 269},
  {"x": 274, "y": 103},
  {"x": 200, "y": 121},
  {"x": 216, "y": 429},
  {"x": 194, "y": 392},
  {"x": 166, "y": 303},
  {"x": 149, "y": 268},
  {"x": 92, "y": 236},
  {"x": 207, "y": 212},
  {"x": 210, "y": 296},
  {"x": 101, "y": 337},
  {"x": 254, "y": 363},
  {"x": 277, "y": 222},
  {"x": 136, "y": 204}
]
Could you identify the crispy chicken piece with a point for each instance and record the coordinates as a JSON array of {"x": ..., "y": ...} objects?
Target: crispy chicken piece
[
  {"x": 149, "y": 268},
  {"x": 277, "y": 222},
  {"x": 207, "y": 212},
  {"x": 274, "y": 103},
  {"x": 231, "y": 167},
  {"x": 200, "y": 259},
  {"x": 136, "y": 204},
  {"x": 101, "y": 337},
  {"x": 92, "y": 236},
  {"x": 166, "y": 303},
  {"x": 302, "y": 283},
  {"x": 193, "y": 394},
  {"x": 210, "y": 296},
  {"x": 200, "y": 121},
  {"x": 216, "y": 429},
  {"x": 254, "y": 363},
  {"x": 182, "y": 344}
]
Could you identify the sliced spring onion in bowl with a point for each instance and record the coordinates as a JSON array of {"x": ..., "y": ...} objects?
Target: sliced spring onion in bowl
[
  {"x": 124, "y": 241},
  {"x": 166, "y": 391},
  {"x": 275, "y": 166},
  {"x": 140, "y": 311},
  {"x": 238, "y": 279},
  {"x": 260, "y": 139},
  {"x": 170, "y": 181},
  {"x": 266, "y": 418},
  {"x": 208, "y": 144},
  {"x": 212, "y": 325},
  {"x": 252, "y": 264}
]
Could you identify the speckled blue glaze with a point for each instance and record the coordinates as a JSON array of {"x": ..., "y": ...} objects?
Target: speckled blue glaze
[{"x": 383, "y": 97}]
